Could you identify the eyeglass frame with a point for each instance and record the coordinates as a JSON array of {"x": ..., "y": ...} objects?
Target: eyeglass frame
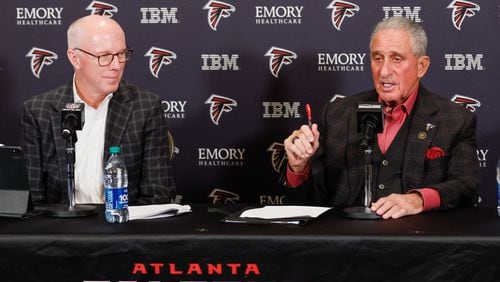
[{"x": 125, "y": 52}]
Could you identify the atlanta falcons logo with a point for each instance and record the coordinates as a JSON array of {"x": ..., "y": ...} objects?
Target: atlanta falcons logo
[
  {"x": 469, "y": 103},
  {"x": 278, "y": 155},
  {"x": 340, "y": 11},
  {"x": 278, "y": 58},
  {"x": 157, "y": 58},
  {"x": 39, "y": 58},
  {"x": 102, "y": 9},
  {"x": 461, "y": 10},
  {"x": 218, "y": 105},
  {"x": 216, "y": 11},
  {"x": 223, "y": 197}
]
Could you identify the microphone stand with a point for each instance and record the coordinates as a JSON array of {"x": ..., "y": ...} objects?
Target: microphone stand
[
  {"x": 364, "y": 212},
  {"x": 72, "y": 210}
]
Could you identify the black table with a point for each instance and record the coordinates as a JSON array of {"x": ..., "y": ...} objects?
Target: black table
[{"x": 458, "y": 245}]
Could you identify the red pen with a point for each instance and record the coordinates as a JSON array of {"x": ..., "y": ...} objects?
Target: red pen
[{"x": 309, "y": 115}]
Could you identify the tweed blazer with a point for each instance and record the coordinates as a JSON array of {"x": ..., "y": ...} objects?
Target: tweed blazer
[
  {"x": 135, "y": 122},
  {"x": 337, "y": 168}
]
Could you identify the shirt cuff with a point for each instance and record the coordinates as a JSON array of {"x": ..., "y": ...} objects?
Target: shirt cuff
[
  {"x": 294, "y": 179},
  {"x": 431, "y": 198}
]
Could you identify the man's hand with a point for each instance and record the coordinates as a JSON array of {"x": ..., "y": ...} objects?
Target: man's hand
[
  {"x": 398, "y": 205},
  {"x": 300, "y": 146}
]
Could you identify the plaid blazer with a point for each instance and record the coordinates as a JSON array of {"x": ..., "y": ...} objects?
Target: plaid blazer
[
  {"x": 135, "y": 122},
  {"x": 337, "y": 168}
]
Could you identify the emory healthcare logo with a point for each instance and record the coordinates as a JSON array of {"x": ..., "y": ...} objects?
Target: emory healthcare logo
[
  {"x": 39, "y": 58},
  {"x": 218, "y": 105},
  {"x": 220, "y": 196},
  {"x": 341, "y": 10},
  {"x": 157, "y": 58},
  {"x": 461, "y": 10},
  {"x": 278, "y": 155},
  {"x": 216, "y": 11},
  {"x": 102, "y": 9},
  {"x": 278, "y": 58},
  {"x": 469, "y": 103}
]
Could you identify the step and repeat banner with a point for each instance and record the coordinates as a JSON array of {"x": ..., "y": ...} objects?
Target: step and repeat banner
[{"x": 235, "y": 75}]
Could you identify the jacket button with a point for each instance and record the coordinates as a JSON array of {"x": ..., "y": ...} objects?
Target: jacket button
[
  {"x": 381, "y": 186},
  {"x": 385, "y": 162}
]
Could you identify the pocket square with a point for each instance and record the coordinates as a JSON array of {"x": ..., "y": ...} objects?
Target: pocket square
[{"x": 434, "y": 153}]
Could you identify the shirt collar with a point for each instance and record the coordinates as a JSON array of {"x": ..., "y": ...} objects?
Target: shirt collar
[
  {"x": 77, "y": 98},
  {"x": 406, "y": 106}
]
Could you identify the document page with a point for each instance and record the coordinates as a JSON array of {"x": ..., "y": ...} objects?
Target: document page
[
  {"x": 276, "y": 212},
  {"x": 157, "y": 211}
]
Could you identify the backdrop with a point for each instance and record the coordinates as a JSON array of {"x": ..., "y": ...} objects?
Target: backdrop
[{"x": 235, "y": 75}]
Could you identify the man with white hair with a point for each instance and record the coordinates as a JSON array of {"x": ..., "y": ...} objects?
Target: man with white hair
[{"x": 116, "y": 114}]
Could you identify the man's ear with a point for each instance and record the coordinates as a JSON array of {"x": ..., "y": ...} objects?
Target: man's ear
[
  {"x": 73, "y": 58},
  {"x": 423, "y": 65}
]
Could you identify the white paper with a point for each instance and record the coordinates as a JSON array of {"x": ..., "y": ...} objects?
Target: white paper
[
  {"x": 276, "y": 212},
  {"x": 156, "y": 211}
]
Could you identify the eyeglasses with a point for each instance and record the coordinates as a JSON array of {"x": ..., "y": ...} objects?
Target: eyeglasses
[{"x": 106, "y": 59}]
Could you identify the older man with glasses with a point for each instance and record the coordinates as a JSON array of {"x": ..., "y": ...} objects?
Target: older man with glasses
[{"x": 116, "y": 114}]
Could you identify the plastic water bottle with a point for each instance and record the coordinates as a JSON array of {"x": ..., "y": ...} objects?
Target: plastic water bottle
[
  {"x": 498, "y": 187},
  {"x": 115, "y": 187}
]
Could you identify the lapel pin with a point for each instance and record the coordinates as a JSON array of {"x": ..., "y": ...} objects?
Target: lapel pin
[
  {"x": 422, "y": 135},
  {"x": 429, "y": 126}
]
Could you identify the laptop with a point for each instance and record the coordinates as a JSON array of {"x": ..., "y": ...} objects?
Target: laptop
[{"x": 15, "y": 200}]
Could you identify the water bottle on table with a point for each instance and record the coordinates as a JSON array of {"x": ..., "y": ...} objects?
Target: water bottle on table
[{"x": 115, "y": 187}]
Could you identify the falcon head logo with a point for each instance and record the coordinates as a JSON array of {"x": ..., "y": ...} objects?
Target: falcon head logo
[
  {"x": 278, "y": 58},
  {"x": 220, "y": 196},
  {"x": 216, "y": 11},
  {"x": 39, "y": 58},
  {"x": 102, "y": 9},
  {"x": 218, "y": 105},
  {"x": 461, "y": 10},
  {"x": 469, "y": 103},
  {"x": 278, "y": 155},
  {"x": 340, "y": 11},
  {"x": 157, "y": 58}
]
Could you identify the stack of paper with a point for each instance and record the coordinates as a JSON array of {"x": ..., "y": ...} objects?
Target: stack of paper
[
  {"x": 277, "y": 212},
  {"x": 156, "y": 211},
  {"x": 277, "y": 215}
]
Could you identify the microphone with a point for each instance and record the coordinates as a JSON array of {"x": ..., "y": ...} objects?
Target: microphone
[
  {"x": 72, "y": 118},
  {"x": 370, "y": 119}
]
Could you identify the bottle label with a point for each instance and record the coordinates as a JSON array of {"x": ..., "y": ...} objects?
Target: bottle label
[{"x": 116, "y": 198}]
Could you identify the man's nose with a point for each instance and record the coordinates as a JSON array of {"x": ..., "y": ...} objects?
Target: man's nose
[
  {"x": 386, "y": 68},
  {"x": 115, "y": 64}
]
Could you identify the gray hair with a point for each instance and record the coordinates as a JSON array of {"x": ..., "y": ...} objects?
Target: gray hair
[{"x": 417, "y": 33}]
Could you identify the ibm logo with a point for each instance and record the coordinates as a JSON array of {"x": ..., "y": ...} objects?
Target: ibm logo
[
  {"x": 159, "y": 15},
  {"x": 215, "y": 62},
  {"x": 281, "y": 110},
  {"x": 463, "y": 62},
  {"x": 407, "y": 12}
]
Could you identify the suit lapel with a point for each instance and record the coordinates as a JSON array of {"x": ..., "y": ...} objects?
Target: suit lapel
[
  {"x": 119, "y": 112},
  {"x": 422, "y": 131}
]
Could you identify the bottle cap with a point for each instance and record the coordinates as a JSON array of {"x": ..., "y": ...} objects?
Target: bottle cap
[{"x": 114, "y": 149}]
